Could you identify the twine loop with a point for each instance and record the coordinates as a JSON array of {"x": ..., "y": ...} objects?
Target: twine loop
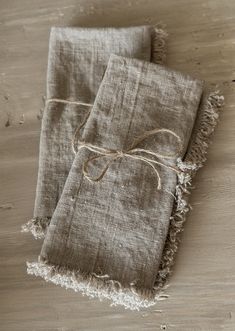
[{"x": 152, "y": 159}]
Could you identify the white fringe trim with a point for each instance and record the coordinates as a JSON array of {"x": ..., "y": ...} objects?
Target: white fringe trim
[
  {"x": 37, "y": 226},
  {"x": 94, "y": 286}
]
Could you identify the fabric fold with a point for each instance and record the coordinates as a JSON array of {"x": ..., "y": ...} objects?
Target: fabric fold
[
  {"x": 76, "y": 64},
  {"x": 107, "y": 238}
]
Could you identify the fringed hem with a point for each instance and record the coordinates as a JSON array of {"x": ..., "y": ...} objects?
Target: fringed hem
[
  {"x": 159, "y": 38},
  {"x": 95, "y": 286},
  {"x": 194, "y": 160},
  {"x": 37, "y": 226}
]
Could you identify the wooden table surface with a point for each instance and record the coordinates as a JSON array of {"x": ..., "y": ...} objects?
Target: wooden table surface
[{"x": 202, "y": 290}]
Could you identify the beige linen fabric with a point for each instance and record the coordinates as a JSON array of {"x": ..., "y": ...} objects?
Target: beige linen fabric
[
  {"x": 106, "y": 238},
  {"x": 76, "y": 64}
]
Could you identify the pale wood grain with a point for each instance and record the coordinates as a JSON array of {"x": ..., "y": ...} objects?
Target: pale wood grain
[{"x": 202, "y": 291}]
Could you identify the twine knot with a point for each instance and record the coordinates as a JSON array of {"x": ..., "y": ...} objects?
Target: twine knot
[
  {"x": 152, "y": 159},
  {"x": 120, "y": 154}
]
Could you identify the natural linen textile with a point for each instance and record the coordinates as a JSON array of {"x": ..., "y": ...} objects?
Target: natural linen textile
[
  {"x": 76, "y": 63},
  {"x": 107, "y": 238}
]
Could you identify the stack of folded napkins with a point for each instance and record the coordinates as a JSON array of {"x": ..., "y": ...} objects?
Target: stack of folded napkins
[{"x": 122, "y": 137}]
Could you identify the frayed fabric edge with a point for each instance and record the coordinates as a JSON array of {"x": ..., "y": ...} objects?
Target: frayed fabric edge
[
  {"x": 37, "y": 226},
  {"x": 194, "y": 160},
  {"x": 159, "y": 44},
  {"x": 95, "y": 286}
]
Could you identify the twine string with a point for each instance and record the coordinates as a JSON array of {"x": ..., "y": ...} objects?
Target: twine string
[
  {"x": 152, "y": 159},
  {"x": 68, "y": 102},
  {"x": 79, "y": 103}
]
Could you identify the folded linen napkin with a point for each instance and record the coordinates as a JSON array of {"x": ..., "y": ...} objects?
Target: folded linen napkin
[
  {"x": 114, "y": 232},
  {"x": 76, "y": 63}
]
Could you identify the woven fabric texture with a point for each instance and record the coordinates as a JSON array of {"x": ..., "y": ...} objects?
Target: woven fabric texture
[{"x": 76, "y": 64}]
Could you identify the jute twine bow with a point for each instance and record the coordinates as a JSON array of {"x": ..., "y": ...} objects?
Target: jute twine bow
[{"x": 150, "y": 158}]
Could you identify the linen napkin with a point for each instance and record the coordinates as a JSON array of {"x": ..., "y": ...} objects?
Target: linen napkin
[
  {"x": 114, "y": 232},
  {"x": 76, "y": 63}
]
